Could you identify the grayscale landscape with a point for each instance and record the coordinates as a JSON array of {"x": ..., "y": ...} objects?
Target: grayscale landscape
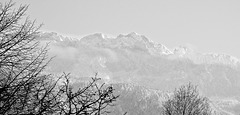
[{"x": 119, "y": 57}]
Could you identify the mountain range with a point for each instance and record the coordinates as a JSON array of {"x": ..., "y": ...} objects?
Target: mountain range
[{"x": 146, "y": 71}]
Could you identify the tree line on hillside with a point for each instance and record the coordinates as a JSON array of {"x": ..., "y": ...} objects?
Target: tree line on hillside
[{"x": 26, "y": 89}]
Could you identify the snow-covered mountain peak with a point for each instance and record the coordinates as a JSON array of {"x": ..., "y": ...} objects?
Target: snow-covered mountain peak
[
  {"x": 224, "y": 58},
  {"x": 136, "y": 40},
  {"x": 133, "y": 37},
  {"x": 132, "y": 34},
  {"x": 181, "y": 51},
  {"x": 96, "y": 35}
]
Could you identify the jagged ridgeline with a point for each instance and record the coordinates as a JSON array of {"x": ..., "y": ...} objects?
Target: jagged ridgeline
[{"x": 135, "y": 59}]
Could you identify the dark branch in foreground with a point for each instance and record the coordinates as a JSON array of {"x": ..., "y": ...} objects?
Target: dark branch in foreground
[{"x": 26, "y": 89}]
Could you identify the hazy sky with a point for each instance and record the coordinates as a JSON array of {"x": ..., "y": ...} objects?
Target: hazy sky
[{"x": 205, "y": 25}]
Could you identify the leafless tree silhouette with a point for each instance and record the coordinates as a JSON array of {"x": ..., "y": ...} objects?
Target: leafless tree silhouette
[
  {"x": 187, "y": 101},
  {"x": 24, "y": 86},
  {"x": 92, "y": 99}
]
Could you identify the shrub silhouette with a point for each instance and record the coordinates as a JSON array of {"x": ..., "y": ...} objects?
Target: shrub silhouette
[{"x": 186, "y": 101}]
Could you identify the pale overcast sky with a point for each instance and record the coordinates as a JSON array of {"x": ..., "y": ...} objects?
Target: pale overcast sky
[{"x": 206, "y": 25}]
